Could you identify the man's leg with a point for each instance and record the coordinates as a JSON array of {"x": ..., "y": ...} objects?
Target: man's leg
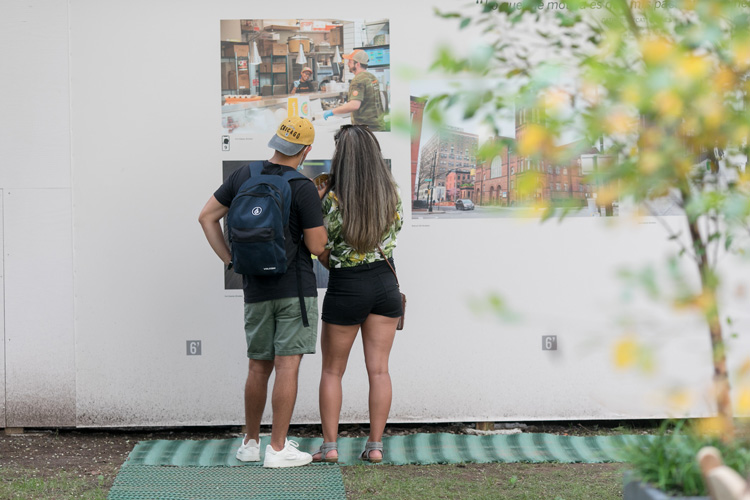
[
  {"x": 291, "y": 341},
  {"x": 284, "y": 397},
  {"x": 256, "y": 390}
]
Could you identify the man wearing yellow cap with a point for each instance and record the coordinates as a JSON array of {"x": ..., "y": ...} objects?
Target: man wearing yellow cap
[
  {"x": 364, "y": 94},
  {"x": 275, "y": 330},
  {"x": 305, "y": 84}
]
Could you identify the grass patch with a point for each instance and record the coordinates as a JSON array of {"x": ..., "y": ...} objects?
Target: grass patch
[
  {"x": 485, "y": 481},
  {"x": 26, "y": 484}
]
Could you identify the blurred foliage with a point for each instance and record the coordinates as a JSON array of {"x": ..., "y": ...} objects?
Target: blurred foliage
[
  {"x": 660, "y": 89},
  {"x": 493, "y": 304}
]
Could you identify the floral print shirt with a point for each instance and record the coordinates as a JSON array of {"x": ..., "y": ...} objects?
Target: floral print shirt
[{"x": 343, "y": 255}]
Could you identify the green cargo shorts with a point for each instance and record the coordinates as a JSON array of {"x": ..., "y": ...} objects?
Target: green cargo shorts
[{"x": 274, "y": 328}]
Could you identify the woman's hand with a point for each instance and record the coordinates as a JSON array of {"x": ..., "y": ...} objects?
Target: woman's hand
[
  {"x": 324, "y": 258},
  {"x": 321, "y": 183}
]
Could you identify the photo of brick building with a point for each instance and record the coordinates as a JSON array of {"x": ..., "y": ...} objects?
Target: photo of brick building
[
  {"x": 445, "y": 168},
  {"x": 450, "y": 150}
]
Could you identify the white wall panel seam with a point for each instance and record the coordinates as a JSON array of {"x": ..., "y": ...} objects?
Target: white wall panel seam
[
  {"x": 3, "y": 421},
  {"x": 72, "y": 213}
]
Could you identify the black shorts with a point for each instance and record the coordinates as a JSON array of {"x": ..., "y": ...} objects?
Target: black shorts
[{"x": 356, "y": 292}]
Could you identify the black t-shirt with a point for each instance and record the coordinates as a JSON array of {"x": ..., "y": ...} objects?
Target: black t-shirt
[
  {"x": 305, "y": 213},
  {"x": 305, "y": 87}
]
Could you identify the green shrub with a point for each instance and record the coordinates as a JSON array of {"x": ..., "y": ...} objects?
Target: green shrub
[{"x": 668, "y": 460}]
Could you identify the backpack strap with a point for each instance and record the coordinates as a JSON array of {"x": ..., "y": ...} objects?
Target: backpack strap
[
  {"x": 294, "y": 175},
  {"x": 255, "y": 169},
  {"x": 300, "y": 293},
  {"x": 297, "y": 176}
]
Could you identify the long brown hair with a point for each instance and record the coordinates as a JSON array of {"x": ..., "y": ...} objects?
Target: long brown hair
[{"x": 364, "y": 186}]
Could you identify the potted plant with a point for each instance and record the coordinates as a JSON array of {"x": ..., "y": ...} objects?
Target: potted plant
[{"x": 665, "y": 467}]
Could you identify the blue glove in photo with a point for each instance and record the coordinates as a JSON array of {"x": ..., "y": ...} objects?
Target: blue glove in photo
[
  {"x": 296, "y": 84},
  {"x": 328, "y": 114}
]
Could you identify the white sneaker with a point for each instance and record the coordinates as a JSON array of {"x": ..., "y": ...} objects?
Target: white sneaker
[
  {"x": 249, "y": 452},
  {"x": 289, "y": 456}
]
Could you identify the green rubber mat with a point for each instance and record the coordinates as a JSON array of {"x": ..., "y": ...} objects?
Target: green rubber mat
[
  {"x": 439, "y": 448},
  {"x": 149, "y": 482}
]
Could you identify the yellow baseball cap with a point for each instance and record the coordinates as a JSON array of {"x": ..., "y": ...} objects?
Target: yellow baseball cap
[{"x": 293, "y": 134}]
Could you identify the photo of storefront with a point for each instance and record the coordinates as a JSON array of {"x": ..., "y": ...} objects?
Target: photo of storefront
[{"x": 332, "y": 72}]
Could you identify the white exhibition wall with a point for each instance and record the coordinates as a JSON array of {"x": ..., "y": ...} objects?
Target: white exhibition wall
[
  {"x": 39, "y": 329},
  {"x": 111, "y": 144}
]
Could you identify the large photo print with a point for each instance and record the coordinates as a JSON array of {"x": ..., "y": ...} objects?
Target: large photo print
[{"x": 330, "y": 71}]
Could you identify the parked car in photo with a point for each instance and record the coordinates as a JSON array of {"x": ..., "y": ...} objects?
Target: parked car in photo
[{"x": 464, "y": 205}]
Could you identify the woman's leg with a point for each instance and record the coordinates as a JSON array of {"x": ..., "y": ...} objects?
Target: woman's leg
[
  {"x": 378, "y": 333},
  {"x": 336, "y": 342}
]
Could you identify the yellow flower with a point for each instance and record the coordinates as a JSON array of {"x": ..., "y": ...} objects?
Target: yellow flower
[
  {"x": 713, "y": 426},
  {"x": 689, "y": 125},
  {"x": 607, "y": 194},
  {"x": 740, "y": 133},
  {"x": 724, "y": 79},
  {"x": 554, "y": 100},
  {"x": 668, "y": 104},
  {"x": 656, "y": 50},
  {"x": 710, "y": 106},
  {"x": 649, "y": 162},
  {"x": 619, "y": 121},
  {"x": 631, "y": 94},
  {"x": 693, "y": 67},
  {"x": 741, "y": 52},
  {"x": 683, "y": 165},
  {"x": 743, "y": 401},
  {"x": 591, "y": 92},
  {"x": 625, "y": 352},
  {"x": 534, "y": 140}
]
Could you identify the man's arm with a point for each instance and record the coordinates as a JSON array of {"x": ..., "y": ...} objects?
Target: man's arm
[
  {"x": 209, "y": 219},
  {"x": 349, "y": 107},
  {"x": 316, "y": 239}
]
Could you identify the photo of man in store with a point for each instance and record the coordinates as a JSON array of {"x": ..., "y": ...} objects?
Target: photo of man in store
[
  {"x": 364, "y": 102},
  {"x": 305, "y": 84}
]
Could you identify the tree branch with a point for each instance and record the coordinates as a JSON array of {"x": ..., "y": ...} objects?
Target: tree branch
[{"x": 672, "y": 235}]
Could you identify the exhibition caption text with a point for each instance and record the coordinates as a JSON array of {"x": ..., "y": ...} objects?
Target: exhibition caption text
[{"x": 596, "y": 4}]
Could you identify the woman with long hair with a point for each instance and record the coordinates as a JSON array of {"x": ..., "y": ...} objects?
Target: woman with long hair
[{"x": 363, "y": 214}]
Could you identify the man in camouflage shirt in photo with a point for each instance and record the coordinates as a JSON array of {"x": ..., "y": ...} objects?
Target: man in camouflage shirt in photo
[{"x": 364, "y": 94}]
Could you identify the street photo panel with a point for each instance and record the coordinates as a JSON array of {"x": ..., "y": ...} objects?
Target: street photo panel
[
  {"x": 274, "y": 68},
  {"x": 454, "y": 177}
]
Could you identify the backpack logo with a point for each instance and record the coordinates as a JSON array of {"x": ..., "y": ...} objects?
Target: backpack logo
[{"x": 257, "y": 211}]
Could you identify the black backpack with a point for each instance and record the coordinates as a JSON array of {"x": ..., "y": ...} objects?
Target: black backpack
[{"x": 258, "y": 222}]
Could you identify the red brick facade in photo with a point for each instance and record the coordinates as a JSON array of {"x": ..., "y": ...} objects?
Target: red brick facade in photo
[{"x": 459, "y": 184}]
